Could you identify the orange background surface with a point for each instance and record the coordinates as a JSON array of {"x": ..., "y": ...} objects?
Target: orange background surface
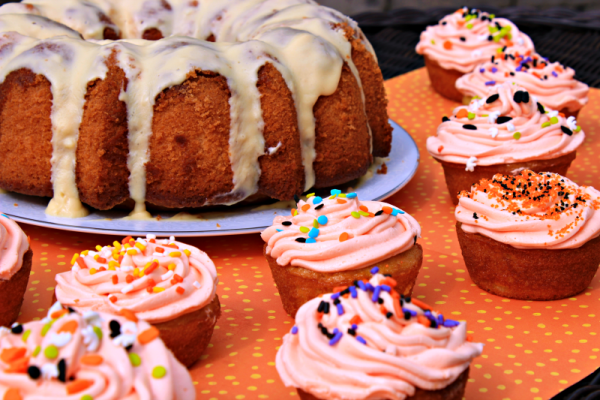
[{"x": 532, "y": 349}]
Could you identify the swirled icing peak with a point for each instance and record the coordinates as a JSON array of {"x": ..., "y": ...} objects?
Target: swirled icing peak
[
  {"x": 553, "y": 84},
  {"x": 466, "y": 38},
  {"x": 368, "y": 342},
  {"x": 508, "y": 126},
  {"x": 89, "y": 356},
  {"x": 531, "y": 211},
  {"x": 158, "y": 279},
  {"x": 340, "y": 233},
  {"x": 13, "y": 246}
]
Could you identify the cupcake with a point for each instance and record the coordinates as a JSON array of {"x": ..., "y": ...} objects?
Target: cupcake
[
  {"x": 169, "y": 284},
  {"x": 550, "y": 83},
  {"x": 89, "y": 356},
  {"x": 462, "y": 41},
  {"x": 332, "y": 242},
  {"x": 502, "y": 134},
  {"x": 367, "y": 341},
  {"x": 15, "y": 268},
  {"x": 530, "y": 236}
]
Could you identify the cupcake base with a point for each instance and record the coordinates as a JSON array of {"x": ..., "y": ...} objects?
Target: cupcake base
[
  {"x": 459, "y": 179},
  {"x": 444, "y": 80},
  {"x": 298, "y": 285},
  {"x": 12, "y": 292},
  {"x": 454, "y": 391},
  {"x": 528, "y": 274}
]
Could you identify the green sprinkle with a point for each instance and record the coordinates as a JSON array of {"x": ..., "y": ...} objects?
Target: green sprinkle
[
  {"x": 509, "y": 36},
  {"x": 499, "y": 50},
  {"x": 492, "y": 29},
  {"x": 517, "y": 135},
  {"x": 26, "y": 335},
  {"x": 46, "y": 328},
  {"x": 135, "y": 359},
  {"x": 315, "y": 223},
  {"x": 469, "y": 26},
  {"x": 492, "y": 16},
  {"x": 342, "y": 195},
  {"x": 554, "y": 120},
  {"x": 308, "y": 196},
  {"x": 98, "y": 332},
  {"x": 304, "y": 229},
  {"x": 159, "y": 372},
  {"x": 87, "y": 397},
  {"x": 36, "y": 351},
  {"x": 355, "y": 214},
  {"x": 331, "y": 197},
  {"x": 363, "y": 213},
  {"x": 578, "y": 129},
  {"x": 471, "y": 115},
  {"x": 432, "y": 41},
  {"x": 51, "y": 352},
  {"x": 546, "y": 124}
]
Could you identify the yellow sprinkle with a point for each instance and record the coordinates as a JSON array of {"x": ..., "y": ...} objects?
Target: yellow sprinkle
[
  {"x": 127, "y": 246},
  {"x": 113, "y": 264},
  {"x": 131, "y": 252},
  {"x": 316, "y": 223},
  {"x": 136, "y": 272},
  {"x": 304, "y": 229},
  {"x": 157, "y": 289},
  {"x": 172, "y": 267},
  {"x": 96, "y": 257},
  {"x": 112, "y": 268},
  {"x": 342, "y": 195},
  {"x": 140, "y": 246},
  {"x": 147, "y": 264},
  {"x": 93, "y": 271},
  {"x": 117, "y": 245},
  {"x": 187, "y": 252},
  {"x": 308, "y": 196},
  {"x": 363, "y": 213},
  {"x": 175, "y": 254},
  {"x": 74, "y": 259},
  {"x": 85, "y": 253},
  {"x": 142, "y": 274},
  {"x": 99, "y": 248}
]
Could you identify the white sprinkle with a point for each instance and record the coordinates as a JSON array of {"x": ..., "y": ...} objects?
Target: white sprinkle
[
  {"x": 76, "y": 268},
  {"x": 273, "y": 150},
  {"x": 476, "y": 54},
  {"x": 124, "y": 340},
  {"x": 165, "y": 241},
  {"x": 126, "y": 289},
  {"x": 471, "y": 164},
  {"x": 197, "y": 284},
  {"x": 172, "y": 238},
  {"x": 493, "y": 116},
  {"x": 55, "y": 307},
  {"x": 92, "y": 253},
  {"x": 4, "y": 331},
  {"x": 552, "y": 113},
  {"x": 49, "y": 371},
  {"x": 510, "y": 127},
  {"x": 159, "y": 255},
  {"x": 90, "y": 339},
  {"x": 92, "y": 317},
  {"x": 534, "y": 98},
  {"x": 150, "y": 236},
  {"x": 60, "y": 339},
  {"x": 482, "y": 38},
  {"x": 129, "y": 327},
  {"x": 142, "y": 241},
  {"x": 520, "y": 41},
  {"x": 572, "y": 123},
  {"x": 167, "y": 276},
  {"x": 127, "y": 268},
  {"x": 494, "y": 132}
]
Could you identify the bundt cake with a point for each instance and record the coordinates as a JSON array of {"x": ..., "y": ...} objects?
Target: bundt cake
[{"x": 183, "y": 103}]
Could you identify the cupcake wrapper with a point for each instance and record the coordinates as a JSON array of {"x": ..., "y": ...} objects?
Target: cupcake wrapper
[
  {"x": 444, "y": 80},
  {"x": 12, "y": 292},
  {"x": 455, "y": 391},
  {"x": 458, "y": 179},
  {"x": 298, "y": 285},
  {"x": 528, "y": 274}
]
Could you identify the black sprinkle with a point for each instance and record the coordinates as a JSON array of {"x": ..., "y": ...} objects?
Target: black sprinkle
[
  {"x": 512, "y": 73},
  {"x": 566, "y": 130},
  {"x": 493, "y": 58},
  {"x": 17, "y": 329},
  {"x": 490, "y": 38},
  {"x": 434, "y": 323},
  {"x": 115, "y": 328},
  {"x": 475, "y": 216},
  {"x": 71, "y": 310},
  {"x": 326, "y": 308},
  {"x": 407, "y": 315},
  {"x": 407, "y": 299},
  {"x": 463, "y": 39},
  {"x": 387, "y": 275},
  {"x": 502, "y": 120},
  {"x": 415, "y": 239},
  {"x": 351, "y": 332},
  {"x": 336, "y": 302},
  {"x": 321, "y": 306},
  {"x": 296, "y": 198},
  {"x": 380, "y": 300},
  {"x": 525, "y": 97},
  {"x": 445, "y": 119},
  {"x": 62, "y": 370},
  {"x": 444, "y": 23},
  {"x": 379, "y": 212},
  {"x": 319, "y": 206},
  {"x": 541, "y": 108},
  {"x": 389, "y": 315},
  {"x": 34, "y": 372},
  {"x": 301, "y": 240},
  {"x": 518, "y": 97},
  {"x": 470, "y": 127},
  {"x": 286, "y": 223},
  {"x": 492, "y": 98}
]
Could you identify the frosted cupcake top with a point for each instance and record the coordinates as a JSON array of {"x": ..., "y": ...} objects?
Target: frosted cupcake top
[
  {"x": 508, "y": 126},
  {"x": 551, "y": 83},
  {"x": 13, "y": 246},
  {"x": 368, "y": 342},
  {"x": 89, "y": 356},
  {"x": 340, "y": 233},
  {"x": 158, "y": 279},
  {"x": 531, "y": 211},
  {"x": 467, "y": 38}
]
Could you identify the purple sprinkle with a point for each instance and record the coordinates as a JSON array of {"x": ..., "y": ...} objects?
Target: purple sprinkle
[
  {"x": 482, "y": 70},
  {"x": 411, "y": 312},
  {"x": 374, "y": 270},
  {"x": 519, "y": 68},
  {"x": 336, "y": 338},
  {"x": 554, "y": 74},
  {"x": 385, "y": 288},
  {"x": 353, "y": 292},
  {"x": 376, "y": 294},
  {"x": 362, "y": 285},
  {"x": 369, "y": 287},
  {"x": 335, "y": 296},
  {"x": 528, "y": 59},
  {"x": 335, "y": 331},
  {"x": 354, "y": 326},
  {"x": 360, "y": 339},
  {"x": 340, "y": 309},
  {"x": 440, "y": 319},
  {"x": 449, "y": 323},
  {"x": 490, "y": 83},
  {"x": 294, "y": 330},
  {"x": 494, "y": 70}
]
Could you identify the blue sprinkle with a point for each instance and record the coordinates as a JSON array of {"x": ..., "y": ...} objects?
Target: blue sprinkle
[
  {"x": 354, "y": 326},
  {"x": 335, "y": 192},
  {"x": 385, "y": 288},
  {"x": 335, "y": 296},
  {"x": 314, "y": 232},
  {"x": 353, "y": 292},
  {"x": 310, "y": 240},
  {"x": 490, "y": 83},
  {"x": 449, "y": 323},
  {"x": 440, "y": 319},
  {"x": 335, "y": 331},
  {"x": 519, "y": 68},
  {"x": 5, "y": 216},
  {"x": 351, "y": 195},
  {"x": 554, "y": 74},
  {"x": 369, "y": 287},
  {"x": 362, "y": 285},
  {"x": 279, "y": 230},
  {"x": 494, "y": 70},
  {"x": 482, "y": 70},
  {"x": 317, "y": 200},
  {"x": 294, "y": 330},
  {"x": 396, "y": 211},
  {"x": 376, "y": 292},
  {"x": 336, "y": 338},
  {"x": 374, "y": 270},
  {"x": 340, "y": 309},
  {"x": 360, "y": 339},
  {"x": 322, "y": 220},
  {"x": 412, "y": 313}
]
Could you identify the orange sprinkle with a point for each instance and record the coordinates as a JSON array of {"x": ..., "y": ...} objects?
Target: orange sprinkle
[
  {"x": 448, "y": 45},
  {"x": 115, "y": 279},
  {"x": 101, "y": 269},
  {"x": 151, "y": 241},
  {"x": 177, "y": 278},
  {"x": 398, "y": 308},
  {"x": 81, "y": 262},
  {"x": 18, "y": 366},
  {"x": 69, "y": 326},
  {"x": 120, "y": 259},
  {"x": 101, "y": 260},
  {"x": 159, "y": 250},
  {"x": 339, "y": 289},
  {"x": 12, "y": 394},
  {"x": 423, "y": 320},
  {"x": 319, "y": 316},
  {"x": 469, "y": 338},
  {"x": 344, "y": 236},
  {"x": 391, "y": 282},
  {"x": 129, "y": 315},
  {"x": 341, "y": 201},
  {"x": 129, "y": 278},
  {"x": 92, "y": 359},
  {"x": 387, "y": 210},
  {"x": 151, "y": 282},
  {"x": 113, "y": 299},
  {"x": 462, "y": 113},
  {"x": 558, "y": 68},
  {"x": 148, "y": 335},
  {"x": 508, "y": 43},
  {"x": 78, "y": 385},
  {"x": 180, "y": 290},
  {"x": 305, "y": 207},
  {"x": 356, "y": 320},
  {"x": 420, "y": 304},
  {"x": 12, "y": 353},
  {"x": 151, "y": 268},
  {"x": 536, "y": 75},
  {"x": 58, "y": 314},
  {"x": 383, "y": 310},
  {"x": 149, "y": 289},
  {"x": 172, "y": 246},
  {"x": 562, "y": 115},
  {"x": 506, "y": 74},
  {"x": 126, "y": 240},
  {"x": 459, "y": 23},
  {"x": 364, "y": 208},
  {"x": 440, "y": 149}
]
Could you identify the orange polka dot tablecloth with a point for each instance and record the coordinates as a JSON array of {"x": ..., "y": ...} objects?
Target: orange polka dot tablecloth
[{"x": 532, "y": 349}]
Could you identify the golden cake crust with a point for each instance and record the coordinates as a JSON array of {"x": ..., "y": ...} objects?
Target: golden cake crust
[{"x": 444, "y": 80}]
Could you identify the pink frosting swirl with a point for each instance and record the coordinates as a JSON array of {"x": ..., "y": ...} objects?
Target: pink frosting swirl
[
  {"x": 360, "y": 348},
  {"x": 461, "y": 40},
  {"x": 13, "y": 246},
  {"x": 482, "y": 134},
  {"x": 346, "y": 234},
  {"x": 157, "y": 279},
  {"x": 552, "y": 84},
  {"x": 69, "y": 355},
  {"x": 531, "y": 211}
]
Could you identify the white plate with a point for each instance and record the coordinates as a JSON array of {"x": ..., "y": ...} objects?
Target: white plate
[{"x": 401, "y": 167}]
